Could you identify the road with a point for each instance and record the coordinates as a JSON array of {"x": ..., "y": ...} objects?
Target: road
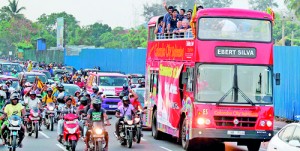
[{"x": 47, "y": 142}]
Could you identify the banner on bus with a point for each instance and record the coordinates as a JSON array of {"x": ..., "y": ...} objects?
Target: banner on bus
[{"x": 169, "y": 103}]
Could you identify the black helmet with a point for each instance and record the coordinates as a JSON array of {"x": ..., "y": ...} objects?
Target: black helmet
[
  {"x": 126, "y": 99},
  {"x": 49, "y": 89},
  {"x": 125, "y": 87},
  {"x": 14, "y": 96},
  {"x": 83, "y": 100},
  {"x": 121, "y": 95},
  {"x": 60, "y": 85},
  {"x": 95, "y": 88},
  {"x": 87, "y": 95},
  {"x": 8, "y": 82},
  {"x": 97, "y": 104}
]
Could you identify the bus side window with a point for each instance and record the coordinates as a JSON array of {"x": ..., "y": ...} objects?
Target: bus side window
[
  {"x": 151, "y": 36},
  {"x": 151, "y": 81},
  {"x": 156, "y": 74},
  {"x": 189, "y": 85},
  {"x": 154, "y": 82}
]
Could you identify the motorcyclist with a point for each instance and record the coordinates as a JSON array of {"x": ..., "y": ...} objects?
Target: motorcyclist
[
  {"x": 33, "y": 102},
  {"x": 121, "y": 95},
  {"x": 125, "y": 109},
  {"x": 81, "y": 110},
  {"x": 13, "y": 108},
  {"x": 49, "y": 98},
  {"x": 94, "y": 115},
  {"x": 134, "y": 100},
  {"x": 5, "y": 89},
  {"x": 60, "y": 95},
  {"x": 79, "y": 82},
  {"x": 76, "y": 96},
  {"x": 125, "y": 90},
  {"x": 2, "y": 97},
  {"x": 8, "y": 83},
  {"x": 68, "y": 108},
  {"x": 95, "y": 92}
]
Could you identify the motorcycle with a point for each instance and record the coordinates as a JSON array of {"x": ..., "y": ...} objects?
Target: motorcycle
[
  {"x": 14, "y": 126},
  {"x": 50, "y": 114},
  {"x": 97, "y": 137},
  {"x": 83, "y": 119},
  {"x": 129, "y": 130},
  {"x": 32, "y": 123},
  {"x": 71, "y": 131}
]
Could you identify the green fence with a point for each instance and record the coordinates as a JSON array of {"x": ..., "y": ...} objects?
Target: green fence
[{"x": 46, "y": 56}]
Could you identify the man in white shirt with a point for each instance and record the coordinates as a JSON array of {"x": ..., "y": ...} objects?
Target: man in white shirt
[{"x": 32, "y": 101}]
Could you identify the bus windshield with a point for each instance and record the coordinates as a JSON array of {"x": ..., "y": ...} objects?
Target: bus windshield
[
  {"x": 216, "y": 84},
  {"x": 235, "y": 29},
  {"x": 112, "y": 81}
]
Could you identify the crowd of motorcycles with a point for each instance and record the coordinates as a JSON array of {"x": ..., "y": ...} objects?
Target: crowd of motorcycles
[{"x": 75, "y": 126}]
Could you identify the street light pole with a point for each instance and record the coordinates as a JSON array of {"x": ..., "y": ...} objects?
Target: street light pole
[
  {"x": 282, "y": 33},
  {"x": 292, "y": 39}
]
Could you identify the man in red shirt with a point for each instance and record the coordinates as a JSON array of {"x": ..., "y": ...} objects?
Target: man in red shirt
[{"x": 79, "y": 82}]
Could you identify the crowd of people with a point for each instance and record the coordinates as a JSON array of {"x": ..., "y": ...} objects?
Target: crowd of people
[
  {"x": 175, "y": 23},
  {"x": 81, "y": 103}
]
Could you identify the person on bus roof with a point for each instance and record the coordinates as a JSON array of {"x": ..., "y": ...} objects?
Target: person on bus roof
[
  {"x": 166, "y": 16},
  {"x": 159, "y": 30},
  {"x": 172, "y": 21}
]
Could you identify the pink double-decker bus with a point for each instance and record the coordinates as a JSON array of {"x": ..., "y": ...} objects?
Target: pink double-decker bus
[{"x": 213, "y": 85}]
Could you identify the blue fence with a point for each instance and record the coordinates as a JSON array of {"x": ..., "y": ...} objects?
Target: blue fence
[
  {"x": 123, "y": 60},
  {"x": 287, "y": 94},
  {"x": 286, "y": 62}
]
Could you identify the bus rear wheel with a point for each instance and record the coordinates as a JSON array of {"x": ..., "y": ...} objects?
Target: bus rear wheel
[{"x": 155, "y": 133}]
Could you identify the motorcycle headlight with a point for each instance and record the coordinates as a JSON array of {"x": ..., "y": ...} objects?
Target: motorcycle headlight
[
  {"x": 72, "y": 130},
  {"x": 98, "y": 131},
  {"x": 130, "y": 122},
  {"x": 14, "y": 123},
  {"x": 51, "y": 108},
  {"x": 35, "y": 114},
  {"x": 137, "y": 120}
]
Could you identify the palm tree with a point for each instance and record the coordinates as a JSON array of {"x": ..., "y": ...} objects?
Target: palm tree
[
  {"x": 13, "y": 9},
  {"x": 294, "y": 5}
]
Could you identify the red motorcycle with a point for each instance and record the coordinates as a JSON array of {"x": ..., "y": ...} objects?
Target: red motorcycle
[
  {"x": 71, "y": 132},
  {"x": 32, "y": 124}
]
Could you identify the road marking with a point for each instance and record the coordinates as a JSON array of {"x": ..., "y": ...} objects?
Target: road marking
[
  {"x": 60, "y": 146},
  {"x": 44, "y": 134},
  {"x": 165, "y": 148},
  {"x": 143, "y": 139},
  {"x": 263, "y": 149}
]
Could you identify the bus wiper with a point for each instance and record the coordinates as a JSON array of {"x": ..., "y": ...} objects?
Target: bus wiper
[
  {"x": 245, "y": 97},
  {"x": 224, "y": 96}
]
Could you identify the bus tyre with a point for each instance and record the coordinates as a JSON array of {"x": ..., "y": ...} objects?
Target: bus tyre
[
  {"x": 155, "y": 133},
  {"x": 253, "y": 145},
  {"x": 186, "y": 143}
]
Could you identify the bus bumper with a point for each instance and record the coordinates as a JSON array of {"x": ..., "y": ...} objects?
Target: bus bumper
[{"x": 231, "y": 135}]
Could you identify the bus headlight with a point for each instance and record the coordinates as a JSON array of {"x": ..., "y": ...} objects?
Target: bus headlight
[
  {"x": 262, "y": 123},
  {"x": 269, "y": 123},
  {"x": 200, "y": 121}
]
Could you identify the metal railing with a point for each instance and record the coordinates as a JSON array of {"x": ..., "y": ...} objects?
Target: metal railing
[{"x": 177, "y": 35}]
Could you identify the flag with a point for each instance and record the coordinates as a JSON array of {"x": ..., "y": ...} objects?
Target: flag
[
  {"x": 192, "y": 23},
  {"x": 39, "y": 83},
  {"x": 271, "y": 12}
]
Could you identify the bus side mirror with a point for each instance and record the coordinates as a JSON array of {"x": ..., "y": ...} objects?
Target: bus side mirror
[
  {"x": 277, "y": 78},
  {"x": 184, "y": 77}
]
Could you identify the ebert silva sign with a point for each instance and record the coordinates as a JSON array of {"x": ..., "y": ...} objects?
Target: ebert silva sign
[{"x": 232, "y": 52}]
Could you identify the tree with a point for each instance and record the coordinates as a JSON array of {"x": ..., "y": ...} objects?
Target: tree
[
  {"x": 12, "y": 9},
  {"x": 93, "y": 32},
  {"x": 294, "y": 5},
  {"x": 216, "y": 3},
  {"x": 153, "y": 10},
  {"x": 262, "y": 5}
]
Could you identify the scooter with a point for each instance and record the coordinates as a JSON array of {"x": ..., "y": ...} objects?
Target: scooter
[
  {"x": 71, "y": 132},
  {"x": 33, "y": 120}
]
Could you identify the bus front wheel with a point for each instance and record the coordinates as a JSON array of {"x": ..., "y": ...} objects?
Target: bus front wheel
[{"x": 185, "y": 141}]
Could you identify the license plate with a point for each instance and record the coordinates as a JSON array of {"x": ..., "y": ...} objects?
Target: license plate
[
  {"x": 35, "y": 118},
  {"x": 113, "y": 106},
  {"x": 14, "y": 128},
  {"x": 235, "y": 132},
  {"x": 14, "y": 133}
]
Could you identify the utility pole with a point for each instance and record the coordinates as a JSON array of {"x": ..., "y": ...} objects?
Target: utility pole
[
  {"x": 282, "y": 32},
  {"x": 292, "y": 39}
]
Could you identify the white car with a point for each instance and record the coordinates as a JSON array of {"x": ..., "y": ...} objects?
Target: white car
[{"x": 287, "y": 139}]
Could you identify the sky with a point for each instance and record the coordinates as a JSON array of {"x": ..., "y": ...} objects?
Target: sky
[{"x": 125, "y": 13}]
